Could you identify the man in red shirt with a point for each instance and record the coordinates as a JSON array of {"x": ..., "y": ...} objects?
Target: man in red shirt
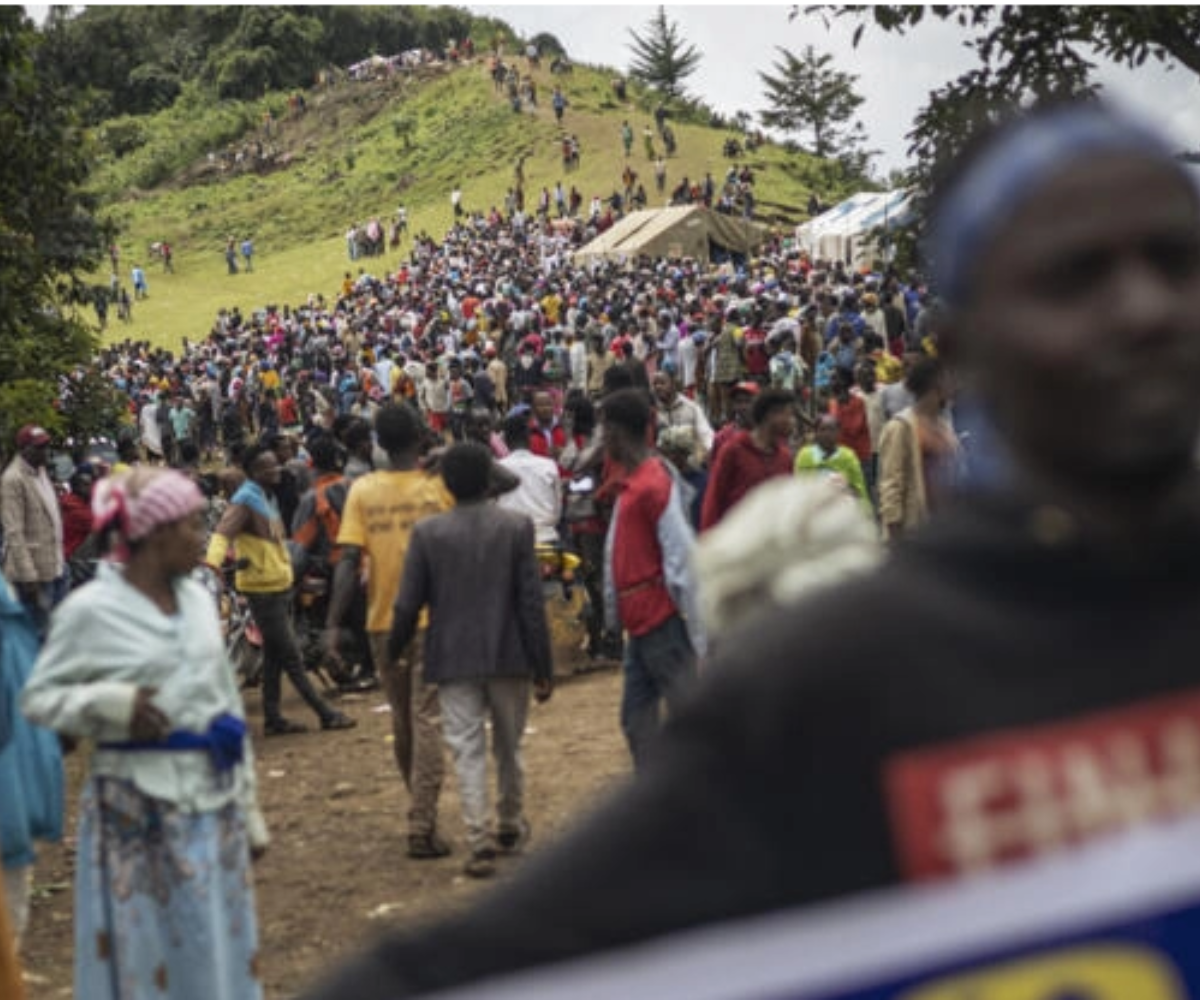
[
  {"x": 76, "y": 507},
  {"x": 850, "y": 409},
  {"x": 753, "y": 456},
  {"x": 741, "y": 398},
  {"x": 650, "y": 584},
  {"x": 547, "y": 437},
  {"x": 754, "y": 349}
]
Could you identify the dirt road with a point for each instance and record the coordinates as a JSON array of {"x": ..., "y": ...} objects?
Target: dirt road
[{"x": 337, "y": 873}]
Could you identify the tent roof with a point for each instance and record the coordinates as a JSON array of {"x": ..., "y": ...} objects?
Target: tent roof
[
  {"x": 858, "y": 214},
  {"x": 660, "y": 232}
]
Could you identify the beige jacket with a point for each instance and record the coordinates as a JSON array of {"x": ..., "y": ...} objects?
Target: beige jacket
[
  {"x": 902, "y": 497},
  {"x": 32, "y": 524}
]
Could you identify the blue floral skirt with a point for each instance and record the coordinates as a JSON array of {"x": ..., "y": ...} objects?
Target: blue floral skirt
[{"x": 164, "y": 900}]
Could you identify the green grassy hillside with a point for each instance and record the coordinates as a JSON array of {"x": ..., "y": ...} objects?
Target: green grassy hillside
[{"x": 346, "y": 161}]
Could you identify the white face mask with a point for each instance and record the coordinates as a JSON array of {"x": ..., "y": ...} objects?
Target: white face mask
[{"x": 526, "y": 360}]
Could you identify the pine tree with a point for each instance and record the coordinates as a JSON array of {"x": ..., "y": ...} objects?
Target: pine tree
[
  {"x": 661, "y": 57},
  {"x": 809, "y": 97}
]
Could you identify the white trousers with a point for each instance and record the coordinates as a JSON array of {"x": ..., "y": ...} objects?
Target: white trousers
[{"x": 466, "y": 707}]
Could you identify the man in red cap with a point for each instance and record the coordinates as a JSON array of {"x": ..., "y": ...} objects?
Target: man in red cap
[
  {"x": 33, "y": 535},
  {"x": 741, "y": 398}
]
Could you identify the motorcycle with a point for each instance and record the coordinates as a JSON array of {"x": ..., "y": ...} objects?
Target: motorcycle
[
  {"x": 313, "y": 595},
  {"x": 241, "y": 634},
  {"x": 558, "y": 567}
]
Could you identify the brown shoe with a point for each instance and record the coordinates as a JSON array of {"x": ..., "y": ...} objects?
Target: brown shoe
[
  {"x": 425, "y": 846},
  {"x": 514, "y": 841},
  {"x": 481, "y": 864}
]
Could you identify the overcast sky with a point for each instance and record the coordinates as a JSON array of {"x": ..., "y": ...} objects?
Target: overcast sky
[{"x": 895, "y": 74}]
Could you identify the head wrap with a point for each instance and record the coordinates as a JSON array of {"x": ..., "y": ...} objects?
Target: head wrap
[
  {"x": 134, "y": 503},
  {"x": 1021, "y": 161}
]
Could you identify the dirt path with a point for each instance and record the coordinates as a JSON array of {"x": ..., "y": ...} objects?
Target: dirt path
[{"x": 337, "y": 873}]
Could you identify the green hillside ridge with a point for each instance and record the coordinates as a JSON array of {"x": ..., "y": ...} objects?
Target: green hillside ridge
[{"x": 346, "y": 161}]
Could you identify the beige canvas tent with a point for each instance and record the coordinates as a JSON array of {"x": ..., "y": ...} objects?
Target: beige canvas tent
[{"x": 684, "y": 231}]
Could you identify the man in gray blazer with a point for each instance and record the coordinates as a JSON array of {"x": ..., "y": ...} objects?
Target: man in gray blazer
[
  {"x": 488, "y": 638},
  {"x": 33, "y": 551}
]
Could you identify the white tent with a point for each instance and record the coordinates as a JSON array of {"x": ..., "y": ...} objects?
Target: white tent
[{"x": 842, "y": 233}]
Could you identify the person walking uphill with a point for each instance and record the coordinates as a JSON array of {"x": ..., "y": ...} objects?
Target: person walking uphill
[
  {"x": 650, "y": 585},
  {"x": 169, "y": 818},
  {"x": 253, "y": 525},
  {"x": 378, "y": 521},
  {"x": 474, "y": 569}
]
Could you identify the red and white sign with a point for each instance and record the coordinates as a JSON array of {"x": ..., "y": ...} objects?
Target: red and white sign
[{"x": 987, "y": 801}]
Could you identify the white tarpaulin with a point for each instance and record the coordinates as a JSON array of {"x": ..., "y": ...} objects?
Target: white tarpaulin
[{"x": 843, "y": 233}]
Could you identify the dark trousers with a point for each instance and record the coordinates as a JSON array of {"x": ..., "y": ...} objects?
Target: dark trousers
[
  {"x": 281, "y": 654},
  {"x": 659, "y": 666},
  {"x": 601, "y": 642}
]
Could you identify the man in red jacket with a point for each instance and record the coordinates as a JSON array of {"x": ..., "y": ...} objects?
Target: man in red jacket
[
  {"x": 547, "y": 437},
  {"x": 751, "y": 457},
  {"x": 650, "y": 585}
]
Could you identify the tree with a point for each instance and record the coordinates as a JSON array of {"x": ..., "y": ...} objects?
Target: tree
[
  {"x": 1026, "y": 56},
  {"x": 661, "y": 58},
  {"x": 50, "y": 237},
  {"x": 548, "y": 46},
  {"x": 808, "y": 96}
]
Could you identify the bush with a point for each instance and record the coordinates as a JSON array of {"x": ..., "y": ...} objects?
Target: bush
[
  {"x": 27, "y": 401},
  {"x": 122, "y": 136}
]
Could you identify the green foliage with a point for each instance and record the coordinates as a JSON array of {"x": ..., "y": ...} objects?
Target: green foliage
[
  {"x": 121, "y": 136},
  {"x": 548, "y": 45},
  {"x": 151, "y": 151},
  {"x": 244, "y": 74},
  {"x": 50, "y": 238},
  {"x": 404, "y": 127},
  {"x": 27, "y": 401},
  {"x": 136, "y": 60},
  {"x": 89, "y": 407},
  {"x": 661, "y": 58},
  {"x": 808, "y": 96},
  {"x": 154, "y": 87}
]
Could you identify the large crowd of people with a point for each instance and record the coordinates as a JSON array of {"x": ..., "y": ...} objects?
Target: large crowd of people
[
  {"x": 423, "y": 446},
  {"x": 311, "y": 439}
]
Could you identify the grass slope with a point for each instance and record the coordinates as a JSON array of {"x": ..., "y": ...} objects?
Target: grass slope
[{"x": 349, "y": 163}]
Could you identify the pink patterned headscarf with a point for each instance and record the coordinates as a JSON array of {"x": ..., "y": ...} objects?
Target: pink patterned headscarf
[{"x": 140, "y": 500}]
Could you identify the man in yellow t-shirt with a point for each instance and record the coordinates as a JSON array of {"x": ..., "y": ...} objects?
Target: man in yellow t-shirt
[{"x": 380, "y": 512}]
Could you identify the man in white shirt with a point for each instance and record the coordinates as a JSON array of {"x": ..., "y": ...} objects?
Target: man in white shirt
[
  {"x": 578, "y": 360},
  {"x": 539, "y": 495},
  {"x": 676, "y": 410},
  {"x": 689, "y": 356},
  {"x": 151, "y": 432}
]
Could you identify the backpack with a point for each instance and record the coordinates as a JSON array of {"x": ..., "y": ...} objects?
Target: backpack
[{"x": 331, "y": 501}]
